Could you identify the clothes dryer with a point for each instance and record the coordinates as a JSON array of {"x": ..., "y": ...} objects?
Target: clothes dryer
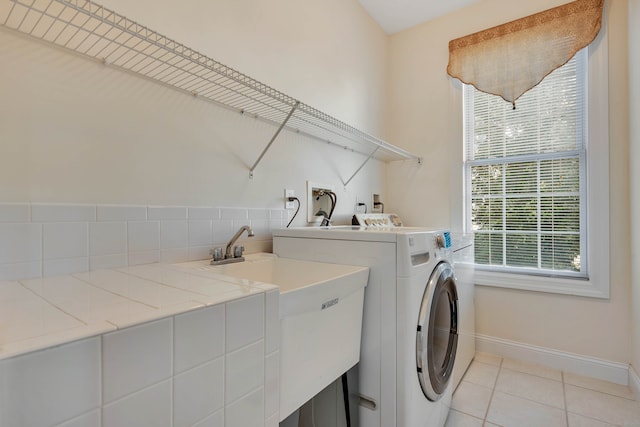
[{"x": 410, "y": 318}]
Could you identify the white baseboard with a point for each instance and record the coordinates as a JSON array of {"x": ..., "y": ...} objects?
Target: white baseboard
[
  {"x": 569, "y": 362},
  {"x": 634, "y": 381}
]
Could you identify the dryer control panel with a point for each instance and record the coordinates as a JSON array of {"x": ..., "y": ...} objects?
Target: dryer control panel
[{"x": 386, "y": 220}]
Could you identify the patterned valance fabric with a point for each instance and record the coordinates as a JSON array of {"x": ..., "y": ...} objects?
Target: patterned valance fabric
[{"x": 512, "y": 58}]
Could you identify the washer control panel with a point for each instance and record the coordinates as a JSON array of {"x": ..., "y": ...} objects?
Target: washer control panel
[{"x": 385, "y": 220}]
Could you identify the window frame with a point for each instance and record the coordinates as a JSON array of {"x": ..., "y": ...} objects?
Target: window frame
[{"x": 596, "y": 284}]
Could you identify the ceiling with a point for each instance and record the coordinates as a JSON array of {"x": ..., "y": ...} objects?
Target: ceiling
[{"x": 397, "y": 15}]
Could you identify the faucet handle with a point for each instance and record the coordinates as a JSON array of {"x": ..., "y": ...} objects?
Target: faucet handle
[
  {"x": 237, "y": 251},
  {"x": 216, "y": 253}
]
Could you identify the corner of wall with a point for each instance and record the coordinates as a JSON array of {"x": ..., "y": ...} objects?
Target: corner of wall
[
  {"x": 634, "y": 159},
  {"x": 634, "y": 381}
]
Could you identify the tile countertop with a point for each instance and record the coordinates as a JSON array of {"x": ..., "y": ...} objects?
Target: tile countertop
[{"x": 39, "y": 313}]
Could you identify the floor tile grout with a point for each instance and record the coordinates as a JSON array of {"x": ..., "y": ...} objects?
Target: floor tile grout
[
  {"x": 564, "y": 396},
  {"x": 493, "y": 390},
  {"x": 563, "y": 380}
]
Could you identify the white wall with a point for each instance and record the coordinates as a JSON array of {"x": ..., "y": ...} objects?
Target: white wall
[
  {"x": 634, "y": 111},
  {"x": 426, "y": 119},
  {"x": 76, "y": 131}
]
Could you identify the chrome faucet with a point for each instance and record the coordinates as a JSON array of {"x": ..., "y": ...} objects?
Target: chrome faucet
[
  {"x": 227, "y": 252},
  {"x": 237, "y": 250}
]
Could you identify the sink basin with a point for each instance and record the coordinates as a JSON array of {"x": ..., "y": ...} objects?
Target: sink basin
[{"x": 320, "y": 319}]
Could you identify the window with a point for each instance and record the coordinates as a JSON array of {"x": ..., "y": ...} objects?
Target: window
[
  {"x": 528, "y": 174},
  {"x": 525, "y": 175}
]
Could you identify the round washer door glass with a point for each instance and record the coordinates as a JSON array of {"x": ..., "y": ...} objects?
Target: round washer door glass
[{"x": 437, "y": 335}]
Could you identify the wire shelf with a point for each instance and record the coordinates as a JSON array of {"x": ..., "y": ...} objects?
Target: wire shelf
[{"x": 92, "y": 30}]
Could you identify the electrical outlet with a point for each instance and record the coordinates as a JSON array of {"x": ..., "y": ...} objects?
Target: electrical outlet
[{"x": 289, "y": 204}]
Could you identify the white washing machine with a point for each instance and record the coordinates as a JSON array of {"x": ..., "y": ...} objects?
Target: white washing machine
[
  {"x": 462, "y": 247},
  {"x": 410, "y": 319}
]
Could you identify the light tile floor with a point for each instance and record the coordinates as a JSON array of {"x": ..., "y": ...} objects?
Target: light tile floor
[{"x": 509, "y": 393}]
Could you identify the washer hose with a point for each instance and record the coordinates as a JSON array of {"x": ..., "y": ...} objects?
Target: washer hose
[{"x": 345, "y": 395}]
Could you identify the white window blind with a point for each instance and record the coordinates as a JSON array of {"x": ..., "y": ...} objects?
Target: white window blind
[{"x": 525, "y": 175}]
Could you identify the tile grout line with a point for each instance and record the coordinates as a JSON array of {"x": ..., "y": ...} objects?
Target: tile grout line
[
  {"x": 493, "y": 390},
  {"x": 564, "y": 395}
]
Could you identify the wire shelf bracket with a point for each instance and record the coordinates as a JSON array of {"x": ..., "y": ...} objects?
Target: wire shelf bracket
[
  {"x": 273, "y": 138},
  {"x": 360, "y": 168},
  {"x": 96, "y": 32}
]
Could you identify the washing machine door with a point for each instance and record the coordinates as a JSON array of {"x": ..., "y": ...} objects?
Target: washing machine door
[{"x": 437, "y": 335}]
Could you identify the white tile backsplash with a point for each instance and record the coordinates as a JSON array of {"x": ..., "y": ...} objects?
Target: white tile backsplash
[
  {"x": 143, "y": 236},
  {"x": 108, "y": 261},
  {"x": 200, "y": 232},
  {"x": 234, "y": 213},
  {"x": 277, "y": 224},
  {"x": 175, "y": 255},
  {"x": 259, "y": 214},
  {"x": 121, "y": 213},
  {"x": 65, "y": 240},
  {"x": 62, "y": 213},
  {"x": 57, "y": 267},
  {"x": 173, "y": 234},
  {"x": 167, "y": 213},
  {"x": 203, "y": 213},
  {"x": 39, "y": 240},
  {"x": 223, "y": 230},
  {"x": 261, "y": 227},
  {"x": 144, "y": 257},
  {"x": 135, "y": 358},
  {"x": 199, "y": 252},
  {"x": 276, "y": 214},
  {"x": 107, "y": 238},
  {"x": 15, "y": 212},
  {"x": 21, "y": 270},
  {"x": 21, "y": 242}
]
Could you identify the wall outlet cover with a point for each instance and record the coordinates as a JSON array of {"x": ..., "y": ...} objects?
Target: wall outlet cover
[{"x": 289, "y": 204}]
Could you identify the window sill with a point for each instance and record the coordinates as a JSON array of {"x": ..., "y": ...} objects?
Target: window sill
[{"x": 557, "y": 285}]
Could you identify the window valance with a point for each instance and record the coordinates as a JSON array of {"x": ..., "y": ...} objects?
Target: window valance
[{"x": 512, "y": 58}]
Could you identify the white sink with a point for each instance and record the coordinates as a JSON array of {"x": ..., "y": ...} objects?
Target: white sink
[{"x": 320, "y": 319}]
